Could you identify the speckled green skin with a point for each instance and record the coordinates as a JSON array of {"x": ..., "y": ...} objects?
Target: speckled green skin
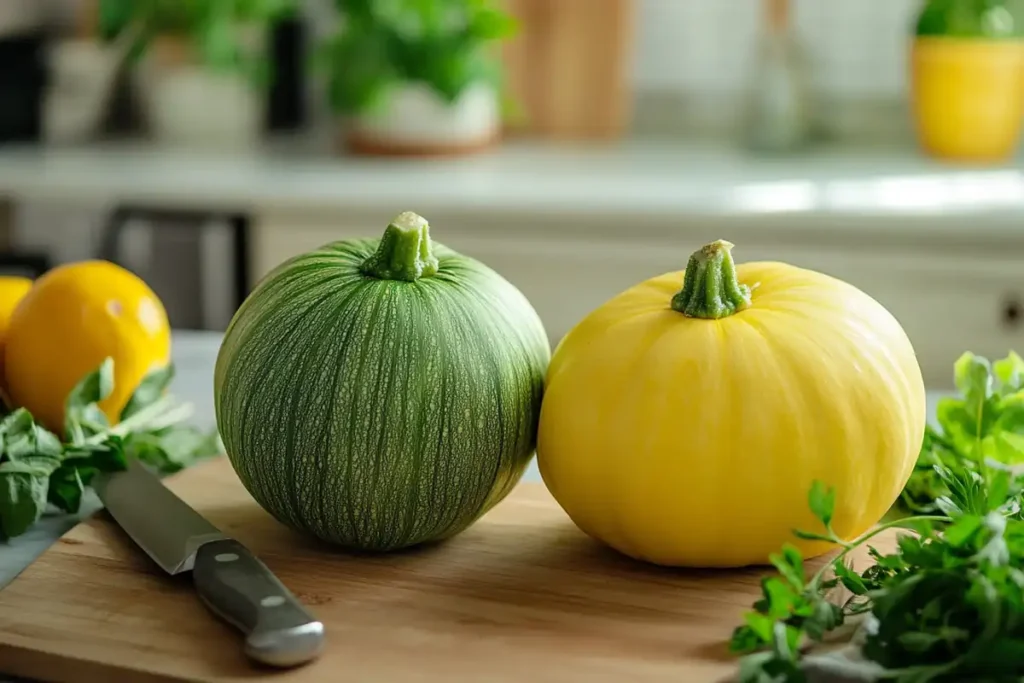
[{"x": 379, "y": 414}]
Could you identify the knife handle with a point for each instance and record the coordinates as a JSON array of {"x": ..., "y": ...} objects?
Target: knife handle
[{"x": 240, "y": 589}]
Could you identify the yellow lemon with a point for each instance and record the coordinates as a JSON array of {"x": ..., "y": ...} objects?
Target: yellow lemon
[
  {"x": 12, "y": 291},
  {"x": 73, "y": 317}
]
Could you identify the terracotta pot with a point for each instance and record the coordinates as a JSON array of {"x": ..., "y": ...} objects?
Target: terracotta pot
[{"x": 415, "y": 120}]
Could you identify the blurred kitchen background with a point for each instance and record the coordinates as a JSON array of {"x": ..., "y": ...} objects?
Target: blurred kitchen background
[{"x": 576, "y": 146}]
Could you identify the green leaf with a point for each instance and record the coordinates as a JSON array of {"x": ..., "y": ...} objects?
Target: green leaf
[
  {"x": 22, "y": 437},
  {"x": 790, "y": 565},
  {"x": 822, "y": 501},
  {"x": 962, "y": 530},
  {"x": 825, "y": 617},
  {"x": 1010, "y": 373},
  {"x": 972, "y": 376},
  {"x": 761, "y": 625},
  {"x": 958, "y": 423},
  {"x": 114, "y": 17},
  {"x": 998, "y": 485},
  {"x": 1009, "y": 447},
  {"x": 745, "y": 639},
  {"x": 15, "y": 424},
  {"x": 174, "y": 448},
  {"x": 66, "y": 489},
  {"x": 152, "y": 387},
  {"x": 93, "y": 388},
  {"x": 80, "y": 465},
  {"x": 23, "y": 490},
  {"x": 849, "y": 578},
  {"x": 779, "y": 598},
  {"x": 82, "y": 415},
  {"x": 490, "y": 24}
]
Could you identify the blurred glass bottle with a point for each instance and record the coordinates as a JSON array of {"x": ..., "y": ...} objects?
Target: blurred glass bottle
[
  {"x": 778, "y": 115},
  {"x": 967, "y": 78}
]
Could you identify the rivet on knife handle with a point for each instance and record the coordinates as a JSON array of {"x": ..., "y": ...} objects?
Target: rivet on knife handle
[{"x": 240, "y": 589}]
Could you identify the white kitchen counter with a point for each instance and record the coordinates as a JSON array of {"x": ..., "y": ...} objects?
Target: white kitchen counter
[
  {"x": 636, "y": 178},
  {"x": 940, "y": 246}
]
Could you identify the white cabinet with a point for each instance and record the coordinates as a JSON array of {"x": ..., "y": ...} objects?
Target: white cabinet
[{"x": 949, "y": 300}]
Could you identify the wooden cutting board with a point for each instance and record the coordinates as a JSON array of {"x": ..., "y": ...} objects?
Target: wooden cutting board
[{"x": 522, "y": 595}]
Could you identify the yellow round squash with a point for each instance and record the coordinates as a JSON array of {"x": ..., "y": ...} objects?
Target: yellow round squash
[{"x": 685, "y": 420}]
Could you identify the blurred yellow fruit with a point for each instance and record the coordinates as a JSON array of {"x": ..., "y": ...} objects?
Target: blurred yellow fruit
[
  {"x": 968, "y": 97},
  {"x": 12, "y": 290},
  {"x": 75, "y": 316}
]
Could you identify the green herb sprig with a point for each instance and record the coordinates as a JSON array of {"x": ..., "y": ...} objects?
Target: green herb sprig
[
  {"x": 39, "y": 469},
  {"x": 948, "y": 604},
  {"x": 983, "y": 424},
  {"x": 219, "y": 31},
  {"x": 443, "y": 44}
]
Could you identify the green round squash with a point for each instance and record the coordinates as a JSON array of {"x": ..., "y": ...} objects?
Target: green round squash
[{"x": 379, "y": 394}]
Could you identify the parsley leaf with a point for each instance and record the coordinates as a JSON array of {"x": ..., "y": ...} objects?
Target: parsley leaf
[
  {"x": 947, "y": 605},
  {"x": 823, "y": 503},
  {"x": 982, "y": 425}
]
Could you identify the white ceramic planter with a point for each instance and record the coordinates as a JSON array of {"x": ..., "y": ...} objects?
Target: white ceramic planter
[
  {"x": 82, "y": 79},
  {"x": 416, "y": 120},
  {"x": 187, "y": 105}
]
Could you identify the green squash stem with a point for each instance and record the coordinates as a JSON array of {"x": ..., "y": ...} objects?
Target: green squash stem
[
  {"x": 710, "y": 288},
  {"x": 405, "y": 252}
]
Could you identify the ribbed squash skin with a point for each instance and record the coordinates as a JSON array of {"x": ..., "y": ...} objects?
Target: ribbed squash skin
[{"x": 379, "y": 414}]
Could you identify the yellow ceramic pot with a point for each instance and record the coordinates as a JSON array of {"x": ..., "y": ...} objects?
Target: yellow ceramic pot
[{"x": 968, "y": 97}]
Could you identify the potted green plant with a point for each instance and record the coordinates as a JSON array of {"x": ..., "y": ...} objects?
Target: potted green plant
[
  {"x": 201, "y": 65},
  {"x": 416, "y": 76}
]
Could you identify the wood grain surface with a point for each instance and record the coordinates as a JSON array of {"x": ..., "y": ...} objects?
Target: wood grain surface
[
  {"x": 521, "y": 596},
  {"x": 568, "y": 67}
]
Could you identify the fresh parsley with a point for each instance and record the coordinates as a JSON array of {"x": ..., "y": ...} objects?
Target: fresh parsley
[
  {"x": 984, "y": 423},
  {"x": 39, "y": 469},
  {"x": 948, "y": 604}
]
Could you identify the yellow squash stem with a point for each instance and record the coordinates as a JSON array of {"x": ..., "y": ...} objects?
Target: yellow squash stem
[
  {"x": 710, "y": 287},
  {"x": 405, "y": 252}
]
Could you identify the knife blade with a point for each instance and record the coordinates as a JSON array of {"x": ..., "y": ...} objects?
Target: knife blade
[{"x": 230, "y": 580}]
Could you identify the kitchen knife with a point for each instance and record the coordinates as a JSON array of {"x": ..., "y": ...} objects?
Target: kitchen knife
[{"x": 231, "y": 581}]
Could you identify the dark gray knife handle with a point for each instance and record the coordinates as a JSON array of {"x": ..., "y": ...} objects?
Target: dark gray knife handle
[{"x": 241, "y": 590}]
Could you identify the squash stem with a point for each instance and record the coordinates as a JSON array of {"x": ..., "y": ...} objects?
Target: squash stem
[
  {"x": 710, "y": 288},
  {"x": 405, "y": 252}
]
